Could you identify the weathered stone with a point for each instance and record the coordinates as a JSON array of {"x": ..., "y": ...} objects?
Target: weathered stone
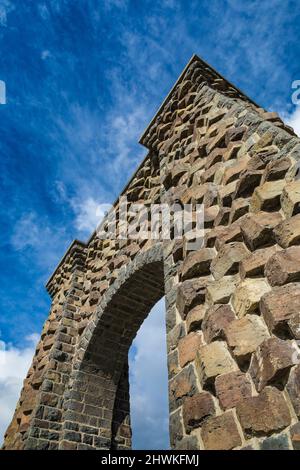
[
  {"x": 228, "y": 259},
  {"x": 233, "y": 171},
  {"x": 219, "y": 292},
  {"x": 175, "y": 334},
  {"x": 293, "y": 387},
  {"x": 212, "y": 360},
  {"x": 284, "y": 266},
  {"x": 197, "y": 263},
  {"x": 176, "y": 428},
  {"x": 244, "y": 335},
  {"x": 216, "y": 319},
  {"x": 173, "y": 363},
  {"x": 294, "y": 325},
  {"x": 287, "y": 233},
  {"x": 277, "y": 169},
  {"x": 254, "y": 264},
  {"x": 188, "y": 443},
  {"x": 247, "y": 296},
  {"x": 191, "y": 293},
  {"x": 295, "y": 436},
  {"x": 279, "y": 442},
  {"x": 188, "y": 347},
  {"x": 280, "y": 305},
  {"x": 182, "y": 385},
  {"x": 248, "y": 181},
  {"x": 239, "y": 208},
  {"x": 266, "y": 413},
  {"x": 221, "y": 433},
  {"x": 195, "y": 317},
  {"x": 271, "y": 360},
  {"x": 290, "y": 199},
  {"x": 197, "y": 409},
  {"x": 232, "y": 388},
  {"x": 267, "y": 196},
  {"x": 257, "y": 229}
]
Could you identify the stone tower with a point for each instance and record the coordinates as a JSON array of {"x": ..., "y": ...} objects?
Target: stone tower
[{"x": 232, "y": 306}]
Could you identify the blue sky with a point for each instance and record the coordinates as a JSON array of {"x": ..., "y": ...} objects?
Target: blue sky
[{"x": 84, "y": 78}]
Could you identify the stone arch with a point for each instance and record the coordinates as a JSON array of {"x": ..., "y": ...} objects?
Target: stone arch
[{"x": 96, "y": 402}]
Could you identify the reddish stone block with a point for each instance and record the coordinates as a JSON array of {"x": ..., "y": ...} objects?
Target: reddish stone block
[
  {"x": 197, "y": 409},
  {"x": 266, "y": 413},
  {"x": 284, "y": 267},
  {"x": 216, "y": 319},
  {"x": 280, "y": 305},
  {"x": 232, "y": 388},
  {"x": 188, "y": 347},
  {"x": 221, "y": 433}
]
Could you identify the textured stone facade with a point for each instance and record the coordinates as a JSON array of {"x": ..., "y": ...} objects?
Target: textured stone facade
[{"x": 232, "y": 307}]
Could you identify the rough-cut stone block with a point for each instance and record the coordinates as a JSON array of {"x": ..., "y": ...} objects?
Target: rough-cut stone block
[
  {"x": 254, "y": 264},
  {"x": 248, "y": 181},
  {"x": 295, "y": 436},
  {"x": 277, "y": 169},
  {"x": 173, "y": 363},
  {"x": 215, "y": 320},
  {"x": 284, "y": 267},
  {"x": 261, "y": 157},
  {"x": 266, "y": 413},
  {"x": 188, "y": 347},
  {"x": 212, "y": 360},
  {"x": 195, "y": 317},
  {"x": 226, "y": 194},
  {"x": 174, "y": 335},
  {"x": 287, "y": 233},
  {"x": 239, "y": 208},
  {"x": 233, "y": 171},
  {"x": 197, "y": 263},
  {"x": 221, "y": 433},
  {"x": 229, "y": 234},
  {"x": 294, "y": 325},
  {"x": 244, "y": 335},
  {"x": 188, "y": 443},
  {"x": 182, "y": 385},
  {"x": 257, "y": 229},
  {"x": 223, "y": 216},
  {"x": 191, "y": 293},
  {"x": 247, "y": 296},
  {"x": 280, "y": 305},
  {"x": 176, "y": 428},
  {"x": 271, "y": 360},
  {"x": 197, "y": 409},
  {"x": 228, "y": 258},
  {"x": 219, "y": 292},
  {"x": 279, "y": 442},
  {"x": 267, "y": 197},
  {"x": 232, "y": 388},
  {"x": 290, "y": 199},
  {"x": 293, "y": 387}
]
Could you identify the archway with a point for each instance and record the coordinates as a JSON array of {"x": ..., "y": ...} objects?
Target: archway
[{"x": 97, "y": 400}]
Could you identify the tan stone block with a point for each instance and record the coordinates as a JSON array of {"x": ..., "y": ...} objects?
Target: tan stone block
[
  {"x": 197, "y": 263},
  {"x": 277, "y": 169},
  {"x": 284, "y": 266},
  {"x": 226, "y": 194},
  {"x": 239, "y": 208},
  {"x": 273, "y": 357},
  {"x": 267, "y": 196},
  {"x": 257, "y": 229},
  {"x": 290, "y": 199},
  {"x": 181, "y": 386},
  {"x": 287, "y": 233},
  {"x": 247, "y": 183},
  {"x": 219, "y": 292},
  {"x": 280, "y": 305},
  {"x": 227, "y": 260},
  {"x": 221, "y": 433},
  {"x": 212, "y": 360},
  {"x": 215, "y": 321},
  {"x": 233, "y": 171},
  {"x": 194, "y": 318},
  {"x": 247, "y": 295},
  {"x": 232, "y": 388},
  {"x": 254, "y": 264},
  {"x": 188, "y": 347},
  {"x": 264, "y": 414},
  {"x": 245, "y": 335}
]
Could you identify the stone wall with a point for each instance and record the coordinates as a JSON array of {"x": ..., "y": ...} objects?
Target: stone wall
[{"x": 232, "y": 307}]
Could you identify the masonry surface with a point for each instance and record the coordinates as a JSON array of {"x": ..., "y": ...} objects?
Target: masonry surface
[{"x": 232, "y": 307}]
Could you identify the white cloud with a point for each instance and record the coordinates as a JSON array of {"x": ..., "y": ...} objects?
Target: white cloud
[
  {"x": 149, "y": 383},
  {"x": 88, "y": 214},
  {"x": 293, "y": 120},
  {"x": 14, "y": 365}
]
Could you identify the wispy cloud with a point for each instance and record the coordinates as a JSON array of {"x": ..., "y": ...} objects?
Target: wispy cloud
[
  {"x": 14, "y": 364},
  {"x": 6, "y": 7},
  {"x": 149, "y": 383}
]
